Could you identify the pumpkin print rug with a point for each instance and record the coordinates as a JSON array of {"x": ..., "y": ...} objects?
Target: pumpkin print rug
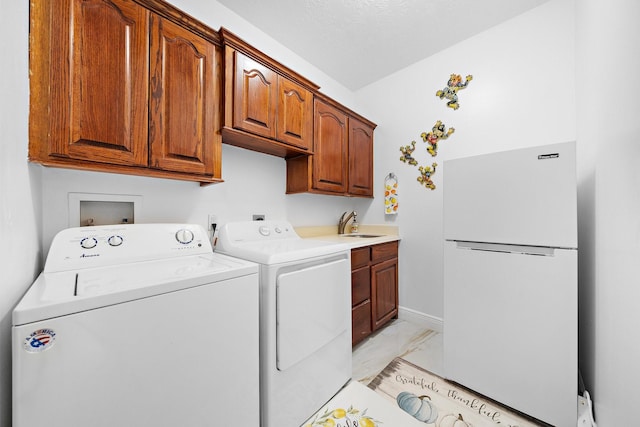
[
  {"x": 356, "y": 405},
  {"x": 436, "y": 402}
]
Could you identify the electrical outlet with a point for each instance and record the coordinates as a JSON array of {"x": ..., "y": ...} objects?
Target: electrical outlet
[
  {"x": 213, "y": 219},
  {"x": 258, "y": 217}
]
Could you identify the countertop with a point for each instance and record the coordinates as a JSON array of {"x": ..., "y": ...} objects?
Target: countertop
[{"x": 383, "y": 233}]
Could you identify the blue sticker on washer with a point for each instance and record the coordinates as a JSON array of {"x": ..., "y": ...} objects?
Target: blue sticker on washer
[{"x": 39, "y": 340}]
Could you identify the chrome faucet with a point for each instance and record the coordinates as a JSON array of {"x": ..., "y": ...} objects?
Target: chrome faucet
[{"x": 343, "y": 221}]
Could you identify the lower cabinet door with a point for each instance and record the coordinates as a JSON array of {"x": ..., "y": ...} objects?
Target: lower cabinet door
[{"x": 384, "y": 289}]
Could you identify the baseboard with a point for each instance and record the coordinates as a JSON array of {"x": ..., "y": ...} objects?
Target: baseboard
[{"x": 410, "y": 315}]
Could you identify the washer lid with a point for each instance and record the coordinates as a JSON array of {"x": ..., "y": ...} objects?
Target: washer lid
[{"x": 67, "y": 292}]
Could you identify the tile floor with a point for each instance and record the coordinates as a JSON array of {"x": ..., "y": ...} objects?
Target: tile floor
[{"x": 414, "y": 343}]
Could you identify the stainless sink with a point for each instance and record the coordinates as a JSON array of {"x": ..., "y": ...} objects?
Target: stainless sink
[{"x": 362, "y": 236}]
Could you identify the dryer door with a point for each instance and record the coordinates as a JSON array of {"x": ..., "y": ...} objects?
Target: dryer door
[{"x": 313, "y": 308}]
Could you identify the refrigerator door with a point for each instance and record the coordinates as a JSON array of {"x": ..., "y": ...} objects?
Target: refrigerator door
[
  {"x": 525, "y": 196},
  {"x": 510, "y": 329}
]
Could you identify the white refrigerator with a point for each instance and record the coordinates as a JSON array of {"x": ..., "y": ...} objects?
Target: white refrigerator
[{"x": 510, "y": 279}]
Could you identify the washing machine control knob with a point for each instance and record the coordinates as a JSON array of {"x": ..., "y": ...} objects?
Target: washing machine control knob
[
  {"x": 184, "y": 236},
  {"x": 115, "y": 240},
  {"x": 264, "y": 230},
  {"x": 88, "y": 242}
]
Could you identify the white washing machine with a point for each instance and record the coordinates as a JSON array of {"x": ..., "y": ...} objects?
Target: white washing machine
[
  {"x": 305, "y": 317},
  {"x": 137, "y": 325}
]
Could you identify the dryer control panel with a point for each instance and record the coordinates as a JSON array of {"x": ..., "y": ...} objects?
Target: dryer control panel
[
  {"x": 105, "y": 245},
  {"x": 257, "y": 231}
]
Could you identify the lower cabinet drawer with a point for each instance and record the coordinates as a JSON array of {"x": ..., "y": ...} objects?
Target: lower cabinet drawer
[
  {"x": 360, "y": 285},
  {"x": 360, "y": 257},
  {"x": 384, "y": 251},
  {"x": 361, "y": 318}
]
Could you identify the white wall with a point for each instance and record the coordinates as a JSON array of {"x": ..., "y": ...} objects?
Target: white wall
[
  {"x": 519, "y": 96},
  {"x": 609, "y": 124},
  {"x": 19, "y": 185}
]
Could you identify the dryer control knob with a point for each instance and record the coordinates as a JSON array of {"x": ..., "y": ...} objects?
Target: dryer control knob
[
  {"x": 264, "y": 230},
  {"x": 184, "y": 236},
  {"x": 88, "y": 242},
  {"x": 115, "y": 240}
]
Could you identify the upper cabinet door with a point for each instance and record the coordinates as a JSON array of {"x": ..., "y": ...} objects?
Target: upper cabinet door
[
  {"x": 255, "y": 97},
  {"x": 295, "y": 114},
  {"x": 183, "y": 100},
  {"x": 360, "y": 158},
  {"x": 99, "y": 81},
  {"x": 330, "y": 167}
]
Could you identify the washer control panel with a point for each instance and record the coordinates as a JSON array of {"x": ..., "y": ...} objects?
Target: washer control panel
[{"x": 98, "y": 246}]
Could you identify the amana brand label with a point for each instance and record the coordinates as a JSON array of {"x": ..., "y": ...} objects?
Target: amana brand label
[
  {"x": 39, "y": 340},
  {"x": 548, "y": 156}
]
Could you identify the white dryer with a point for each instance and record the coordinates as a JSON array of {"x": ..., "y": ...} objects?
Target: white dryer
[
  {"x": 137, "y": 325},
  {"x": 305, "y": 317}
]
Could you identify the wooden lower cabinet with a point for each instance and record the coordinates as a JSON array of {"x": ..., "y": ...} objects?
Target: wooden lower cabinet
[{"x": 374, "y": 288}]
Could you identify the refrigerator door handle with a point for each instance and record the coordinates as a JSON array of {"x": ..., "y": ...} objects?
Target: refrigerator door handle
[{"x": 500, "y": 247}]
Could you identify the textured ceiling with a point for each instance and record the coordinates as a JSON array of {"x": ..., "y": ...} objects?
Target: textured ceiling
[{"x": 357, "y": 42}]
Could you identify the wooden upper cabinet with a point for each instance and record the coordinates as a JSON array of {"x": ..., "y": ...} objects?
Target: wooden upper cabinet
[
  {"x": 295, "y": 114},
  {"x": 268, "y": 107},
  {"x": 100, "y": 109},
  {"x": 255, "y": 95},
  {"x": 360, "y": 158},
  {"x": 183, "y": 100},
  {"x": 119, "y": 87},
  {"x": 330, "y": 167},
  {"x": 342, "y": 160}
]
